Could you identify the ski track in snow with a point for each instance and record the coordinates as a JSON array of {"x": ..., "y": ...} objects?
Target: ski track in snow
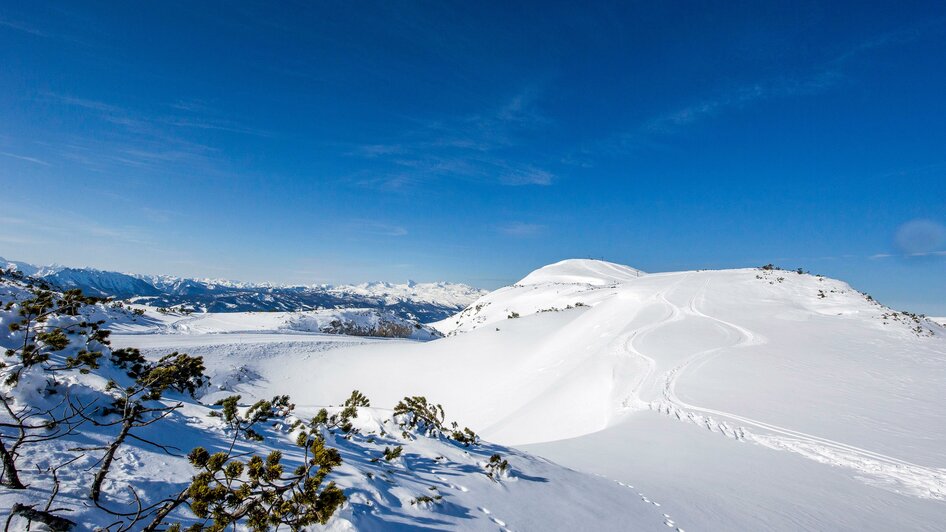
[{"x": 874, "y": 468}]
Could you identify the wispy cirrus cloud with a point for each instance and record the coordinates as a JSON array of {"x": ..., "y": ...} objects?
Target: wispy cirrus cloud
[
  {"x": 142, "y": 153},
  {"x": 478, "y": 147},
  {"x": 24, "y": 27},
  {"x": 822, "y": 77},
  {"x": 25, "y": 158},
  {"x": 164, "y": 139},
  {"x": 891, "y": 38},
  {"x": 521, "y": 229},
  {"x": 921, "y": 254},
  {"x": 741, "y": 97},
  {"x": 189, "y": 115},
  {"x": 219, "y": 125},
  {"x": 524, "y": 175},
  {"x": 377, "y": 150},
  {"x": 57, "y": 22},
  {"x": 653, "y": 133},
  {"x": 84, "y": 103},
  {"x": 19, "y": 240},
  {"x": 375, "y": 228},
  {"x": 41, "y": 227}
]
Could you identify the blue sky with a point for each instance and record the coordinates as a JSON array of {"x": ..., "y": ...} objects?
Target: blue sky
[{"x": 337, "y": 142}]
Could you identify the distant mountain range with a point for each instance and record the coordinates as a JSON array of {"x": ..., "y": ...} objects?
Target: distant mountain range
[{"x": 424, "y": 302}]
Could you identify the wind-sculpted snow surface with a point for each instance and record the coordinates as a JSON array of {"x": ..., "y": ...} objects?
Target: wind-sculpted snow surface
[
  {"x": 751, "y": 399},
  {"x": 433, "y": 480},
  {"x": 792, "y": 363}
]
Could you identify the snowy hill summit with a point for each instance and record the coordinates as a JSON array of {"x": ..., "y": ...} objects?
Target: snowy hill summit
[
  {"x": 422, "y": 302},
  {"x": 780, "y": 359},
  {"x": 574, "y": 283},
  {"x": 678, "y": 387},
  {"x": 581, "y": 271},
  {"x": 559, "y": 286}
]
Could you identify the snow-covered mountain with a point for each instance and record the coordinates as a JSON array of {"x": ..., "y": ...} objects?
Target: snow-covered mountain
[
  {"x": 18, "y": 266},
  {"x": 685, "y": 385},
  {"x": 98, "y": 283},
  {"x": 745, "y": 399},
  {"x": 424, "y": 302},
  {"x": 393, "y": 471}
]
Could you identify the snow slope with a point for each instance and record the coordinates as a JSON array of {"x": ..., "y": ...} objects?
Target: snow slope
[
  {"x": 560, "y": 286},
  {"x": 790, "y": 372},
  {"x": 436, "y": 483},
  {"x": 710, "y": 482}
]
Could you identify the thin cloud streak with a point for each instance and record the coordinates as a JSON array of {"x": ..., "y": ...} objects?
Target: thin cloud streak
[
  {"x": 227, "y": 126},
  {"x": 875, "y": 256},
  {"x": 938, "y": 253},
  {"x": 521, "y": 229},
  {"x": 901, "y": 36},
  {"x": 73, "y": 226},
  {"x": 25, "y": 28},
  {"x": 826, "y": 77},
  {"x": 475, "y": 148},
  {"x": 370, "y": 227},
  {"x": 742, "y": 97},
  {"x": 25, "y": 158},
  {"x": 142, "y": 142}
]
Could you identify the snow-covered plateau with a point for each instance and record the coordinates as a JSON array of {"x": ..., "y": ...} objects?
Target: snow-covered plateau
[{"x": 746, "y": 399}]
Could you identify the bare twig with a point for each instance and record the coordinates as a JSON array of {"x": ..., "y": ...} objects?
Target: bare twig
[{"x": 54, "y": 522}]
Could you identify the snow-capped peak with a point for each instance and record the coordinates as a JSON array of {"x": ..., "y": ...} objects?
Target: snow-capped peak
[
  {"x": 415, "y": 301},
  {"x": 582, "y": 271},
  {"x": 22, "y": 267}
]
